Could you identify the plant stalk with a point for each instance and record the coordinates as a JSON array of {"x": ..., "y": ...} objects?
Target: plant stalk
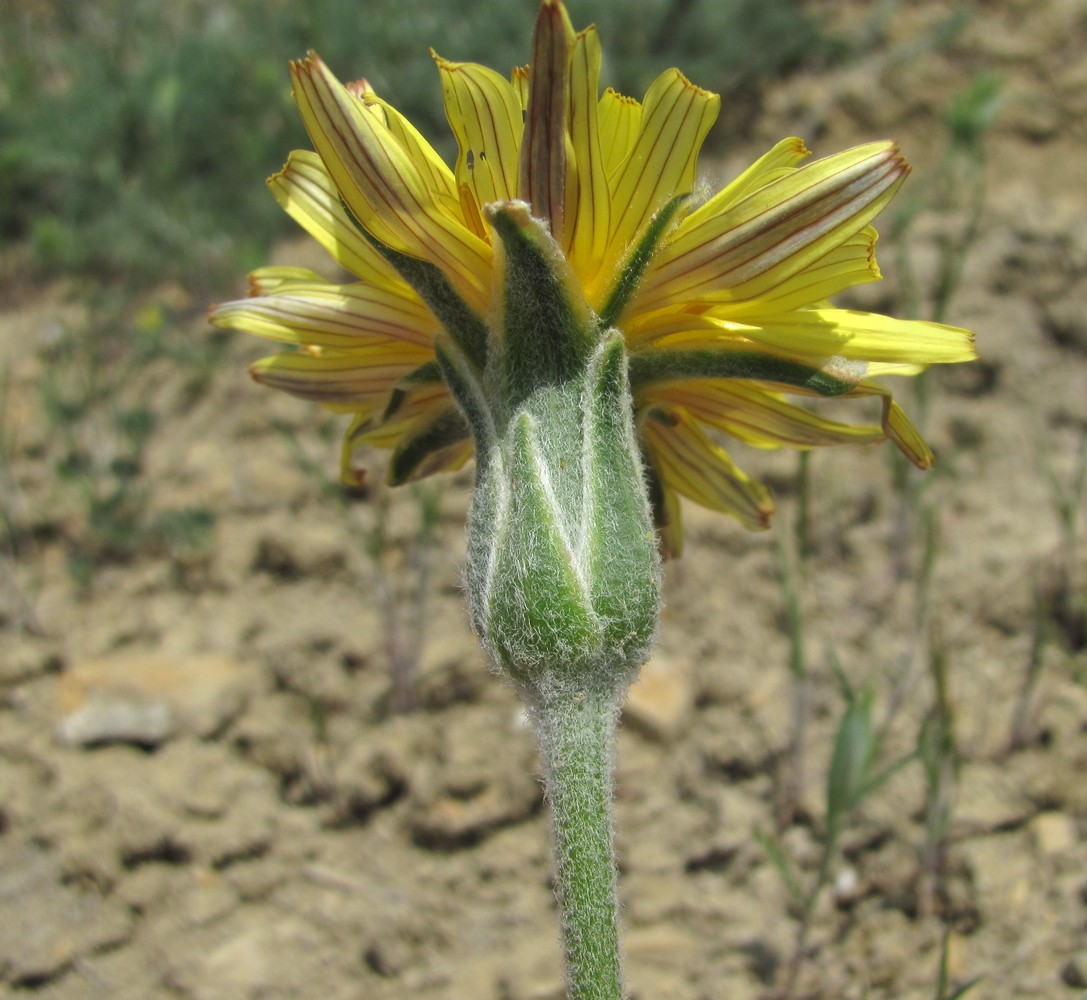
[{"x": 576, "y": 732}]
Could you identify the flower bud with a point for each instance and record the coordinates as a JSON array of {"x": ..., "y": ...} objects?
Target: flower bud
[{"x": 563, "y": 577}]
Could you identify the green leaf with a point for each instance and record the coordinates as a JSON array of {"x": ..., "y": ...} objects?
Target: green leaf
[{"x": 854, "y": 748}]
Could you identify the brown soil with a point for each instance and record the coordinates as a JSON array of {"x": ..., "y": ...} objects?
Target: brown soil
[{"x": 207, "y": 791}]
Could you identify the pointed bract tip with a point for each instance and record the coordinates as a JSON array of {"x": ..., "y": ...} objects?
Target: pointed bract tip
[{"x": 515, "y": 211}]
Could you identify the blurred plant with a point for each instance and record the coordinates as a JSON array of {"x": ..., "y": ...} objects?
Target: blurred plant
[
  {"x": 957, "y": 195},
  {"x": 853, "y": 775},
  {"x": 404, "y": 617},
  {"x": 99, "y": 442},
  {"x": 16, "y": 543},
  {"x": 945, "y": 988},
  {"x": 957, "y": 198},
  {"x": 130, "y": 129}
]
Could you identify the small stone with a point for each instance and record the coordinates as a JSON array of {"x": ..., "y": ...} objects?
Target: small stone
[
  {"x": 1054, "y": 833},
  {"x": 660, "y": 701},
  {"x": 148, "y": 697},
  {"x": 116, "y": 717},
  {"x": 847, "y": 886}
]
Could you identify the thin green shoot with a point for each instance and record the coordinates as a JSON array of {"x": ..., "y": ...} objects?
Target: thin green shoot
[{"x": 853, "y": 775}]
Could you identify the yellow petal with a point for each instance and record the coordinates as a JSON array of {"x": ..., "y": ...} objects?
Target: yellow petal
[
  {"x": 484, "y": 112},
  {"x": 756, "y": 415},
  {"x": 620, "y": 121},
  {"x": 587, "y": 212},
  {"x": 785, "y": 157},
  {"x": 359, "y": 380},
  {"x": 667, "y": 517},
  {"x": 863, "y": 336},
  {"x": 417, "y": 405},
  {"x": 431, "y": 166},
  {"x": 661, "y": 164},
  {"x": 382, "y": 184},
  {"x": 898, "y": 426},
  {"x": 305, "y": 191},
  {"x": 469, "y": 206},
  {"x": 519, "y": 80},
  {"x": 447, "y": 459},
  {"x": 334, "y": 316},
  {"x": 853, "y": 263},
  {"x": 907, "y": 437},
  {"x": 812, "y": 336},
  {"x": 690, "y": 463},
  {"x": 875, "y": 369},
  {"x": 265, "y": 280},
  {"x": 777, "y": 230}
]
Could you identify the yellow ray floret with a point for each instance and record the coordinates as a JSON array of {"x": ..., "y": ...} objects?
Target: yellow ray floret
[{"x": 724, "y": 306}]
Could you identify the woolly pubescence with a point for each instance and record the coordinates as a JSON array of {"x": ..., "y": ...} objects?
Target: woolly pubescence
[{"x": 563, "y": 573}]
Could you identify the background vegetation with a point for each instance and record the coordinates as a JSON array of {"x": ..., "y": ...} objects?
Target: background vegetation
[{"x": 134, "y": 134}]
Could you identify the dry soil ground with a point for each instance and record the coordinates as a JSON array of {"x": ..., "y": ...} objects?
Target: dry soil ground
[{"x": 206, "y": 791}]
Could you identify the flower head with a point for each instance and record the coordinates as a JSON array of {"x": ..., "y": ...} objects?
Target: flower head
[{"x": 722, "y": 306}]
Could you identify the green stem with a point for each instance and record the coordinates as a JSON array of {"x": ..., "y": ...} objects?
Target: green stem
[{"x": 576, "y": 731}]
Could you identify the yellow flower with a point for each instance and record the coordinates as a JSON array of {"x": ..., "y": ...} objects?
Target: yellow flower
[{"x": 722, "y": 305}]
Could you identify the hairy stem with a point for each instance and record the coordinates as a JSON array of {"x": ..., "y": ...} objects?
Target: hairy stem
[{"x": 576, "y": 730}]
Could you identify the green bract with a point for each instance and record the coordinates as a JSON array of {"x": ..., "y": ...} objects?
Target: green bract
[{"x": 563, "y": 579}]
